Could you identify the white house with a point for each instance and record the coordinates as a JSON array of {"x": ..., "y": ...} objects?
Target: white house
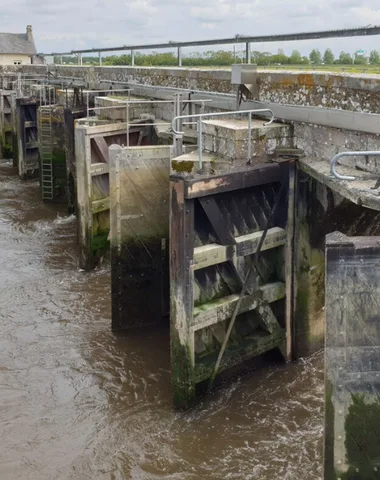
[{"x": 17, "y": 48}]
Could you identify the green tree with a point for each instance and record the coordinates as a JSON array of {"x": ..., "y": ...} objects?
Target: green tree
[
  {"x": 328, "y": 57},
  {"x": 295, "y": 58},
  {"x": 374, "y": 57},
  {"x": 345, "y": 58},
  {"x": 360, "y": 60},
  {"x": 280, "y": 57},
  {"x": 315, "y": 57}
]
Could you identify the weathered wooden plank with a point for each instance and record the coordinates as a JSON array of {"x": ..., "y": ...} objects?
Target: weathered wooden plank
[
  {"x": 100, "y": 205},
  {"x": 101, "y": 148},
  {"x": 253, "y": 346},
  {"x": 289, "y": 263},
  {"x": 99, "y": 168},
  {"x": 217, "y": 221},
  {"x": 32, "y": 144},
  {"x": 223, "y": 309},
  {"x": 268, "y": 319},
  {"x": 257, "y": 175},
  {"x": 214, "y": 253},
  {"x": 181, "y": 295}
]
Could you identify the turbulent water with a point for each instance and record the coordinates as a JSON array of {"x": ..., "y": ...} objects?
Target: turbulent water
[{"x": 77, "y": 402}]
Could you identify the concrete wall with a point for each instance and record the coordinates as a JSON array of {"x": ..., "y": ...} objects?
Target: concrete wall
[
  {"x": 322, "y": 143},
  {"x": 360, "y": 93},
  {"x": 352, "y": 393}
]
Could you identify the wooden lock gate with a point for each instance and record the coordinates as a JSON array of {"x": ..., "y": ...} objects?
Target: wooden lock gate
[{"x": 216, "y": 225}]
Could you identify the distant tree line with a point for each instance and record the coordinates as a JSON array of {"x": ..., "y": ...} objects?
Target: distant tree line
[{"x": 223, "y": 58}]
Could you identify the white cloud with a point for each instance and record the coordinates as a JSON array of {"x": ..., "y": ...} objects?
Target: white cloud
[{"x": 73, "y": 24}]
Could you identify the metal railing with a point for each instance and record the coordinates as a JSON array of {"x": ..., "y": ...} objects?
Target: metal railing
[
  {"x": 110, "y": 91},
  {"x": 221, "y": 114},
  {"x": 177, "y": 103},
  {"x": 348, "y": 154},
  {"x": 244, "y": 39}
]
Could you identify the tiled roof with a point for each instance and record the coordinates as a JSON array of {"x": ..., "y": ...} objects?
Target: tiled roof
[{"x": 16, "y": 43}]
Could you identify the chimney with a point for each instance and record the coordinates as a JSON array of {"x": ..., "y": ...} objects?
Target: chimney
[{"x": 29, "y": 33}]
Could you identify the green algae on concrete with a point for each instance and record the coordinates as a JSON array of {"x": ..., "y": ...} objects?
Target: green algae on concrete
[
  {"x": 6, "y": 149},
  {"x": 182, "y": 167},
  {"x": 352, "y": 358},
  {"x": 362, "y": 442}
]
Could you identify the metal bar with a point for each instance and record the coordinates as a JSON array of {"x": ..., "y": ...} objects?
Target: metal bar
[
  {"x": 249, "y": 137},
  {"x": 131, "y": 102},
  {"x": 350, "y": 32},
  {"x": 200, "y": 144},
  {"x": 247, "y": 52},
  {"x": 132, "y": 58},
  {"x": 112, "y": 91},
  {"x": 221, "y": 114},
  {"x": 179, "y": 56},
  {"x": 348, "y": 154},
  {"x": 127, "y": 119}
]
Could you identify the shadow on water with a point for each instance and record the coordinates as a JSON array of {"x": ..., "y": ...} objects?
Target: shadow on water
[{"x": 78, "y": 402}]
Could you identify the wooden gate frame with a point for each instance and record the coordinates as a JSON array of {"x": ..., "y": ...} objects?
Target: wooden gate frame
[
  {"x": 184, "y": 261},
  {"x": 26, "y": 170},
  {"x": 85, "y": 131},
  {"x": 8, "y": 150}
]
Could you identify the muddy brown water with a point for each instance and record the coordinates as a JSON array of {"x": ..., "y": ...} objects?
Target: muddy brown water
[{"x": 77, "y": 402}]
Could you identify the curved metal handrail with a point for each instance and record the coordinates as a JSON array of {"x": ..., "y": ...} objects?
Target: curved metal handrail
[{"x": 348, "y": 154}]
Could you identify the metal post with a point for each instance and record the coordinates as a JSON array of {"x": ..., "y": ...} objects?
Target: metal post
[
  {"x": 87, "y": 105},
  {"x": 132, "y": 58},
  {"x": 248, "y": 53},
  {"x": 100, "y": 59},
  {"x": 178, "y": 139},
  {"x": 200, "y": 144},
  {"x": 202, "y": 109},
  {"x": 61, "y": 60},
  {"x": 127, "y": 124},
  {"x": 179, "y": 56},
  {"x": 249, "y": 136}
]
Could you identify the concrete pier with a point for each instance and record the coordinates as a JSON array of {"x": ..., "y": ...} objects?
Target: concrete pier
[
  {"x": 139, "y": 235},
  {"x": 352, "y": 358}
]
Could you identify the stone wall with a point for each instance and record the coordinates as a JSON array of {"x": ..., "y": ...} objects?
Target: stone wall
[
  {"x": 323, "y": 143},
  {"x": 360, "y": 93}
]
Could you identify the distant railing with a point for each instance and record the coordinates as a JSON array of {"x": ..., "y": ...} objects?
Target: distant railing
[{"x": 247, "y": 39}]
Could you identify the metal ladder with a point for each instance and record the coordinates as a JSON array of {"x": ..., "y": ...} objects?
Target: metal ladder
[{"x": 46, "y": 153}]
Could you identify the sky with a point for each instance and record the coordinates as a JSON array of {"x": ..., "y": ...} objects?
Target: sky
[{"x": 61, "y": 26}]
